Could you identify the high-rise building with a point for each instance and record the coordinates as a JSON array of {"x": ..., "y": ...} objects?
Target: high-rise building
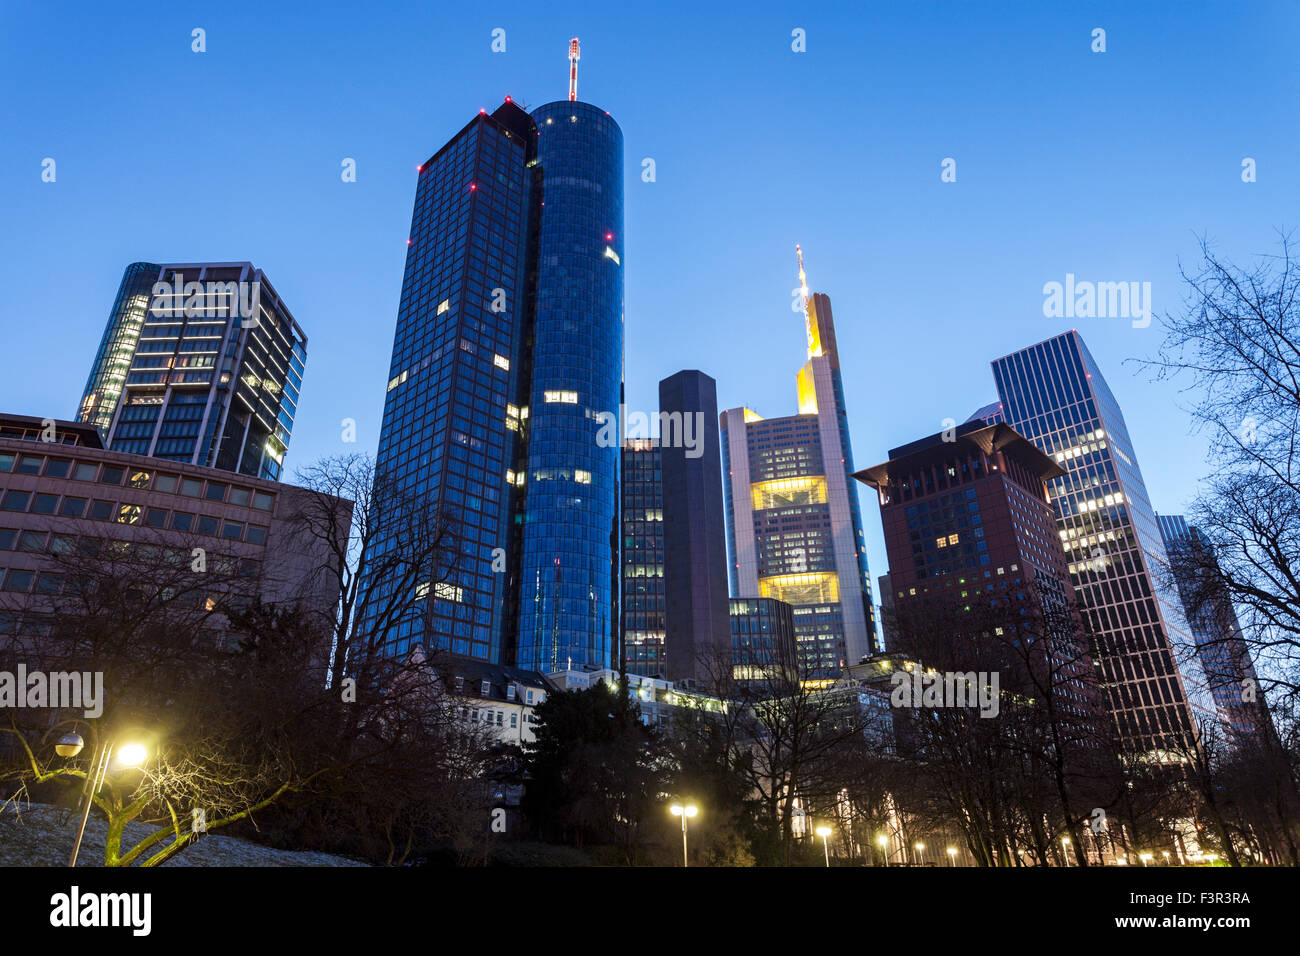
[
  {"x": 1225, "y": 659},
  {"x": 507, "y": 364},
  {"x": 200, "y": 363},
  {"x": 794, "y": 527},
  {"x": 643, "y": 603},
  {"x": 967, "y": 513},
  {"x": 695, "y": 550},
  {"x": 763, "y": 644},
  {"x": 1054, "y": 394},
  {"x": 675, "y": 618}
]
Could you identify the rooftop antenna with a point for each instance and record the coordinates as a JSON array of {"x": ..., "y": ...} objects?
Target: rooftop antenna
[{"x": 573, "y": 69}]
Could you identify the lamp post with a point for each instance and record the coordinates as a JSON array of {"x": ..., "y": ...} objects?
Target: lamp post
[
  {"x": 920, "y": 849},
  {"x": 1065, "y": 850},
  {"x": 884, "y": 853},
  {"x": 128, "y": 755},
  {"x": 952, "y": 856},
  {"x": 685, "y": 812},
  {"x": 824, "y": 832}
]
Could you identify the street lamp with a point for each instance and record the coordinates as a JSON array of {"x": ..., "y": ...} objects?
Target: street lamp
[
  {"x": 824, "y": 832},
  {"x": 920, "y": 848},
  {"x": 1065, "y": 849},
  {"x": 952, "y": 856},
  {"x": 685, "y": 812},
  {"x": 884, "y": 853},
  {"x": 128, "y": 755}
]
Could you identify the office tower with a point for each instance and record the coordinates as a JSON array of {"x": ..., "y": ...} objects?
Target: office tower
[
  {"x": 201, "y": 363},
  {"x": 65, "y": 498},
  {"x": 1054, "y": 394},
  {"x": 1222, "y": 650},
  {"x": 967, "y": 513},
  {"x": 763, "y": 643},
  {"x": 695, "y": 551},
  {"x": 507, "y": 366},
  {"x": 643, "y": 602},
  {"x": 794, "y": 529},
  {"x": 675, "y": 618}
]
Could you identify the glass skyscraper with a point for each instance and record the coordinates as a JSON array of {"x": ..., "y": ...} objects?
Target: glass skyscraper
[
  {"x": 200, "y": 363},
  {"x": 508, "y": 350},
  {"x": 1054, "y": 394},
  {"x": 794, "y": 527}
]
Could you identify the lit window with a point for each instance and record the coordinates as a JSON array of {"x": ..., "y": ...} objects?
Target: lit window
[
  {"x": 500, "y": 361},
  {"x": 443, "y": 306},
  {"x": 582, "y": 477},
  {"x": 568, "y": 398}
]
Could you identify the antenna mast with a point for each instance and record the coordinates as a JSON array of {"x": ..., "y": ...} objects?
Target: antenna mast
[{"x": 573, "y": 69}]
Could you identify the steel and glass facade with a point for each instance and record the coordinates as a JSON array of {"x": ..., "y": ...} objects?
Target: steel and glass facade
[
  {"x": 644, "y": 602},
  {"x": 1054, "y": 394},
  {"x": 1225, "y": 658},
  {"x": 569, "y": 565},
  {"x": 508, "y": 347},
  {"x": 794, "y": 527},
  {"x": 763, "y": 643},
  {"x": 200, "y": 363}
]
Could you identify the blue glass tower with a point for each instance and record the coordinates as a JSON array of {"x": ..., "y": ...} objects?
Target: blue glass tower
[
  {"x": 569, "y": 571},
  {"x": 508, "y": 351}
]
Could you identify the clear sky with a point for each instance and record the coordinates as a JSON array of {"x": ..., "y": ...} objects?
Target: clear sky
[{"x": 1105, "y": 165}]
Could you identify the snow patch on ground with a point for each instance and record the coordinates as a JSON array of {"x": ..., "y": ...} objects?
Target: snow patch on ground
[{"x": 42, "y": 835}]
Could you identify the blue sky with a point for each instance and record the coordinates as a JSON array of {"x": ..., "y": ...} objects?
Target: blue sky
[{"x": 1105, "y": 165}]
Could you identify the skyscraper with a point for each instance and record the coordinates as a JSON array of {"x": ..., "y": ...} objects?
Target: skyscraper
[
  {"x": 794, "y": 528},
  {"x": 1222, "y": 650},
  {"x": 967, "y": 513},
  {"x": 200, "y": 363},
  {"x": 675, "y": 610},
  {"x": 1055, "y": 395},
  {"x": 507, "y": 358}
]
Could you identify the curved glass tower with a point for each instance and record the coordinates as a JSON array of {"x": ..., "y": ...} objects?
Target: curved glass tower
[{"x": 569, "y": 566}]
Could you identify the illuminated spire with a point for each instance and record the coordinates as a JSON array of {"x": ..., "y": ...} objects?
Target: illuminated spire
[
  {"x": 810, "y": 327},
  {"x": 803, "y": 279},
  {"x": 573, "y": 69}
]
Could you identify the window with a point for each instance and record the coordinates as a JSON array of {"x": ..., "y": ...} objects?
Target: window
[
  {"x": 73, "y": 507},
  {"x": 138, "y": 479},
  {"x": 29, "y": 465},
  {"x": 156, "y": 517},
  {"x": 101, "y": 510},
  {"x": 528, "y": 696},
  {"x": 256, "y": 534},
  {"x": 190, "y": 487},
  {"x": 128, "y": 514},
  {"x": 33, "y": 541},
  {"x": 262, "y": 501},
  {"x": 232, "y": 530},
  {"x": 16, "y": 501},
  {"x": 216, "y": 491},
  {"x": 18, "y": 581},
  {"x": 6, "y": 462},
  {"x": 7, "y": 536},
  {"x": 165, "y": 483},
  {"x": 182, "y": 521},
  {"x": 568, "y": 398},
  {"x": 111, "y": 475},
  {"x": 45, "y": 504},
  {"x": 86, "y": 471},
  {"x": 57, "y": 468},
  {"x": 49, "y": 583},
  {"x": 62, "y": 543},
  {"x": 485, "y": 688},
  {"x": 240, "y": 496},
  {"x": 207, "y": 524},
  {"x": 514, "y": 721}
]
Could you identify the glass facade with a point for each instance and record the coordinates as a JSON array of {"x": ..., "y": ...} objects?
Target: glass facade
[
  {"x": 1054, "y": 394},
  {"x": 643, "y": 606},
  {"x": 1224, "y": 657},
  {"x": 508, "y": 347},
  {"x": 456, "y": 407},
  {"x": 763, "y": 642},
  {"x": 569, "y": 566},
  {"x": 201, "y": 363}
]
